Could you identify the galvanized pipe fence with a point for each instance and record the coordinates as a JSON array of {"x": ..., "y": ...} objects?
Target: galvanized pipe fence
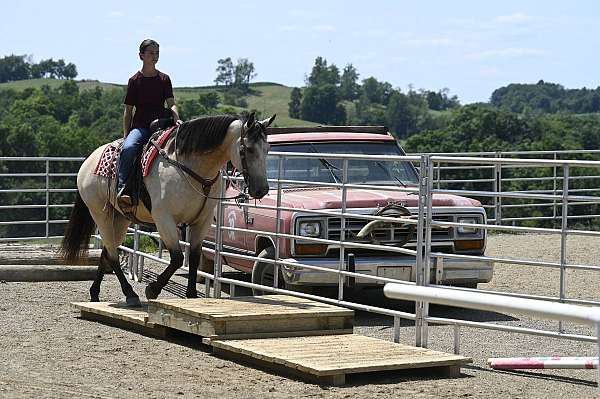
[{"x": 427, "y": 260}]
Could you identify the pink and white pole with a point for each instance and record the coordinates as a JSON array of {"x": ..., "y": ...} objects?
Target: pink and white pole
[
  {"x": 495, "y": 303},
  {"x": 546, "y": 362}
]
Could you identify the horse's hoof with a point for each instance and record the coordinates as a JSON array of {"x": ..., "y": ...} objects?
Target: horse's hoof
[
  {"x": 133, "y": 302},
  {"x": 94, "y": 299},
  {"x": 191, "y": 294},
  {"x": 150, "y": 294}
]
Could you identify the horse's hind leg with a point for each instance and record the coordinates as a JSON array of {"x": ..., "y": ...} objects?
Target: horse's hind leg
[
  {"x": 113, "y": 227},
  {"x": 95, "y": 288}
]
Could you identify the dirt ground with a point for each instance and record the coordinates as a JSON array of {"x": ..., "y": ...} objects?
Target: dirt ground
[{"x": 47, "y": 351}]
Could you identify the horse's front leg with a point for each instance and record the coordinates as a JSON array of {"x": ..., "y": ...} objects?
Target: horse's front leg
[
  {"x": 170, "y": 235},
  {"x": 197, "y": 233}
]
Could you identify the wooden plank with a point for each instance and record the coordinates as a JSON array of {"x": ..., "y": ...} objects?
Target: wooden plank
[
  {"x": 268, "y": 307},
  {"x": 336, "y": 355},
  {"x": 32, "y": 254},
  {"x": 283, "y": 334},
  {"x": 115, "y": 310},
  {"x": 230, "y": 328}
]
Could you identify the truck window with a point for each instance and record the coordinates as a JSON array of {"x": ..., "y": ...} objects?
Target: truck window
[{"x": 325, "y": 170}]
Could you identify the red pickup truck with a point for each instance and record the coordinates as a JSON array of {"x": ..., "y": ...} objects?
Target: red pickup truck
[{"x": 382, "y": 173}]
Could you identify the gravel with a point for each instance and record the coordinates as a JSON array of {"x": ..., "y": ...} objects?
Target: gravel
[{"x": 47, "y": 351}]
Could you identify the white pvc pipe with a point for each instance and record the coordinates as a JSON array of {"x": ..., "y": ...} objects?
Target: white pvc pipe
[
  {"x": 495, "y": 303},
  {"x": 550, "y": 362}
]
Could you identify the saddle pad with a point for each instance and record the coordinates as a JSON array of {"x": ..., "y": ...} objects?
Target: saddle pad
[
  {"x": 151, "y": 151},
  {"x": 107, "y": 165}
]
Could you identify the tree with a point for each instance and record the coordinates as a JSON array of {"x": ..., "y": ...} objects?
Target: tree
[
  {"x": 14, "y": 67},
  {"x": 244, "y": 73},
  {"x": 294, "y": 106},
  {"x": 348, "y": 83},
  {"x": 225, "y": 71},
  {"x": 322, "y": 74},
  {"x": 319, "y": 104},
  {"x": 209, "y": 100}
]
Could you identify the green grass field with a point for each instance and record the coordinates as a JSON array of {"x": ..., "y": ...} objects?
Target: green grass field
[{"x": 268, "y": 98}]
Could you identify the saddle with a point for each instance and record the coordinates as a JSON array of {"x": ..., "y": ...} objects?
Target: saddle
[{"x": 134, "y": 186}]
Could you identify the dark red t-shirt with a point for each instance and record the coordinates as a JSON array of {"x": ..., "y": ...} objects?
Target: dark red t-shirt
[{"x": 148, "y": 95}]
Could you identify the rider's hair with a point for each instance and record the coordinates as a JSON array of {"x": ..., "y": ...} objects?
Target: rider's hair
[{"x": 145, "y": 44}]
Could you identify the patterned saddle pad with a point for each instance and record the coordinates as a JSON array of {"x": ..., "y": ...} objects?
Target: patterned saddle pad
[{"x": 107, "y": 165}]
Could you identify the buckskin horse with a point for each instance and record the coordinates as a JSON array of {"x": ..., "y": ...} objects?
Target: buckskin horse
[{"x": 183, "y": 186}]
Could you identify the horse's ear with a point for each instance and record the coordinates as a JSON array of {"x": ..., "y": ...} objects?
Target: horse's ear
[
  {"x": 251, "y": 120},
  {"x": 267, "y": 122}
]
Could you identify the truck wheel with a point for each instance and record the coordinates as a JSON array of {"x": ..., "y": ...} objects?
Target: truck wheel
[{"x": 262, "y": 272}]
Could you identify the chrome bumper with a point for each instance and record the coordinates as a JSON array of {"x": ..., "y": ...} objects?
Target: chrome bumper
[{"x": 450, "y": 271}]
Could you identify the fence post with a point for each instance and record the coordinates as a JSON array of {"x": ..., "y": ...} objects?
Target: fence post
[
  {"x": 277, "y": 225},
  {"x": 427, "y": 254},
  {"x": 419, "y": 277},
  {"x": 498, "y": 190},
  {"x": 342, "y": 264},
  {"x": 554, "y": 192},
  {"x": 47, "y": 198},
  {"x": 219, "y": 243},
  {"x": 563, "y": 237}
]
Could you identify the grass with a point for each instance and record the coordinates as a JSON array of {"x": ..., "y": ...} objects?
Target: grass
[
  {"x": 54, "y": 83},
  {"x": 267, "y": 97}
]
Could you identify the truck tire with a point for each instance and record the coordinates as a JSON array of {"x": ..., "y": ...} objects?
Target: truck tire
[{"x": 262, "y": 272}]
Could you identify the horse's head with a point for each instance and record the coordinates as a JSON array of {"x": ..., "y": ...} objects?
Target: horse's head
[{"x": 253, "y": 151}]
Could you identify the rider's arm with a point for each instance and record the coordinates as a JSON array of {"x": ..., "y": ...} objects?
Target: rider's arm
[
  {"x": 173, "y": 108},
  {"x": 127, "y": 115}
]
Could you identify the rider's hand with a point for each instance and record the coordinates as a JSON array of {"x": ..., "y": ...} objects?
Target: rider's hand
[{"x": 178, "y": 122}]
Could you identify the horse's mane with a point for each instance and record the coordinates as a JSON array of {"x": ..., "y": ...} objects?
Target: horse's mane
[{"x": 203, "y": 134}]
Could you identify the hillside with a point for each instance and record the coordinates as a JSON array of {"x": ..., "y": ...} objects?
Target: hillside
[{"x": 267, "y": 98}]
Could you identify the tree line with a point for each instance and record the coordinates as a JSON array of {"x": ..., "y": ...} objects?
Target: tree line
[
  {"x": 20, "y": 67},
  {"x": 334, "y": 97}
]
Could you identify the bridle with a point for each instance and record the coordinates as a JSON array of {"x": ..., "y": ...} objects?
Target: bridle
[{"x": 243, "y": 148}]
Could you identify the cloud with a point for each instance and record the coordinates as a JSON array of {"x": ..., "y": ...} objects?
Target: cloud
[
  {"x": 324, "y": 28},
  {"x": 517, "y": 17},
  {"x": 162, "y": 19},
  {"x": 490, "y": 72},
  {"x": 116, "y": 14},
  {"x": 433, "y": 41},
  {"x": 510, "y": 52},
  {"x": 288, "y": 28}
]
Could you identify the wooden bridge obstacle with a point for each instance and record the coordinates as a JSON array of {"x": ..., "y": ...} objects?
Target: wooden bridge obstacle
[{"x": 290, "y": 335}]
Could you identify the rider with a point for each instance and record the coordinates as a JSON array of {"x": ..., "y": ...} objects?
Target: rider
[{"x": 147, "y": 91}]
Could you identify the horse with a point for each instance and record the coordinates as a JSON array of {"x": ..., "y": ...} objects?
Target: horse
[{"x": 183, "y": 185}]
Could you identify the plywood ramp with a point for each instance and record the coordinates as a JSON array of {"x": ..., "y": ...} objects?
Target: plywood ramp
[
  {"x": 328, "y": 359},
  {"x": 117, "y": 314},
  {"x": 251, "y": 317}
]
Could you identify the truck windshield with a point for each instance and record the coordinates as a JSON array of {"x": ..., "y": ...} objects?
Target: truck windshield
[{"x": 329, "y": 170}]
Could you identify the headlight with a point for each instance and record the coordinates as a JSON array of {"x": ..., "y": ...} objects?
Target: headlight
[
  {"x": 310, "y": 229},
  {"x": 466, "y": 229}
]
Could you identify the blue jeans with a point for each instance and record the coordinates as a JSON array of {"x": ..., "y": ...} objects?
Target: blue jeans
[{"x": 133, "y": 143}]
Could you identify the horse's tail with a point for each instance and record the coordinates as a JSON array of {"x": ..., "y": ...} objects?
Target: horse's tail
[{"x": 78, "y": 232}]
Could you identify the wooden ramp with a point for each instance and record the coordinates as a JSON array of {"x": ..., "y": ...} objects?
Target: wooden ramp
[
  {"x": 251, "y": 317},
  {"x": 117, "y": 314},
  {"x": 287, "y": 334},
  {"x": 328, "y": 359}
]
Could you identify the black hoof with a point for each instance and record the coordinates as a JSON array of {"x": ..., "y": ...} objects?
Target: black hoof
[
  {"x": 191, "y": 294},
  {"x": 133, "y": 302},
  {"x": 150, "y": 293},
  {"x": 94, "y": 299}
]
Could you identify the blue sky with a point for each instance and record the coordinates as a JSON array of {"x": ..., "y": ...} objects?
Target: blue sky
[{"x": 470, "y": 47}]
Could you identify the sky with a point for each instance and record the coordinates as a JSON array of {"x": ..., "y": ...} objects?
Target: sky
[{"x": 469, "y": 47}]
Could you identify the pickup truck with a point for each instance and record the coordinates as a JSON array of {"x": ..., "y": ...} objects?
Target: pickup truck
[{"x": 303, "y": 198}]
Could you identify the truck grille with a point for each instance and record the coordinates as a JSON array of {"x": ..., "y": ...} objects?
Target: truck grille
[{"x": 388, "y": 235}]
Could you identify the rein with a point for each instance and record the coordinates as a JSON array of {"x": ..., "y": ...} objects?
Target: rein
[{"x": 207, "y": 184}]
